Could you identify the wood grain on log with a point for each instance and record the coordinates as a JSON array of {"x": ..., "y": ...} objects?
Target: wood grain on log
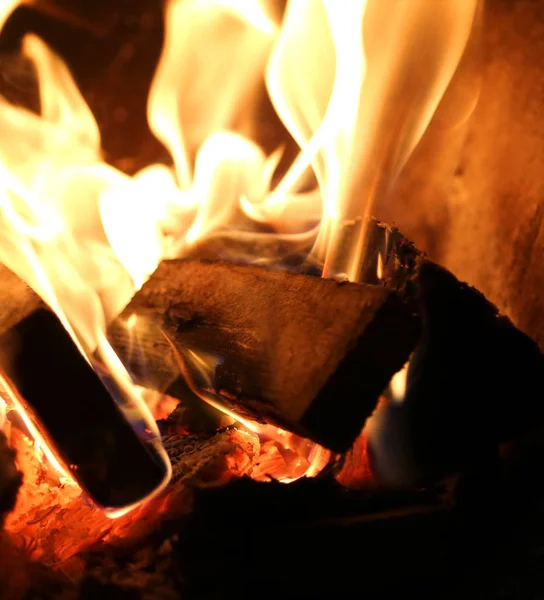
[
  {"x": 308, "y": 354},
  {"x": 280, "y": 340}
]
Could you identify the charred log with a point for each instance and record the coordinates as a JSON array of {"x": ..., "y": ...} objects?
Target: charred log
[
  {"x": 308, "y": 354},
  {"x": 313, "y": 355},
  {"x": 472, "y": 384},
  {"x": 48, "y": 376}
]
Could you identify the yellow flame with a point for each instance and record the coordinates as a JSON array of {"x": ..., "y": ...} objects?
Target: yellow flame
[
  {"x": 213, "y": 57},
  {"x": 398, "y": 384},
  {"x": 355, "y": 84},
  {"x": 3, "y": 412},
  {"x": 6, "y": 8},
  {"x": 379, "y": 266},
  {"x": 50, "y": 224}
]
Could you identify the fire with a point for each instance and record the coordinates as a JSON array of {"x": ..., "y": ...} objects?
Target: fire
[
  {"x": 354, "y": 83},
  {"x": 296, "y": 456},
  {"x": 40, "y": 443},
  {"x": 398, "y": 384}
]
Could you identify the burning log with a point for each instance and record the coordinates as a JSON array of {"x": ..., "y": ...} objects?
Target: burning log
[
  {"x": 313, "y": 355},
  {"x": 473, "y": 383},
  {"x": 308, "y": 354},
  {"x": 62, "y": 395},
  {"x": 61, "y": 529}
]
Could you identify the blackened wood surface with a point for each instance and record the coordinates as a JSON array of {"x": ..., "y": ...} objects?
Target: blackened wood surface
[
  {"x": 473, "y": 382},
  {"x": 76, "y": 412},
  {"x": 68, "y": 401}
]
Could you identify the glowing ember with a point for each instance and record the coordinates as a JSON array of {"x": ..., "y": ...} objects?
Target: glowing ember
[
  {"x": 354, "y": 83},
  {"x": 43, "y": 488},
  {"x": 286, "y": 456}
]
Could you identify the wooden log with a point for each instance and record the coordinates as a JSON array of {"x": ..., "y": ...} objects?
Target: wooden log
[
  {"x": 307, "y": 354},
  {"x": 473, "y": 380},
  {"x": 473, "y": 383},
  {"x": 46, "y": 375},
  {"x": 313, "y": 355}
]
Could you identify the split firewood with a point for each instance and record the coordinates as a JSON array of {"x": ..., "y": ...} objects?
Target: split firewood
[
  {"x": 313, "y": 355},
  {"x": 474, "y": 382},
  {"x": 308, "y": 354},
  {"x": 46, "y": 374}
]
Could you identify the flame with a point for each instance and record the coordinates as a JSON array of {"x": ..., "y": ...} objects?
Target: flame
[
  {"x": 40, "y": 443},
  {"x": 198, "y": 370},
  {"x": 52, "y": 235},
  {"x": 354, "y": 83},
  {"x": 3, "y": 412},
  {"x": 398, "y": 384},
  {"x": 379, "y": 267}
]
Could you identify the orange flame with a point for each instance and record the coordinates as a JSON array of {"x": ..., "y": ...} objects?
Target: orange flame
[
  {"x": 355, "y": 83},
  {"x": 198, "y": 371}
]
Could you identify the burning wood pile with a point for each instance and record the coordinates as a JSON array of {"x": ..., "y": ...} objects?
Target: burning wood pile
[
  {"x": 464, "y": 359},
  {"x": 222, "y": 361}
]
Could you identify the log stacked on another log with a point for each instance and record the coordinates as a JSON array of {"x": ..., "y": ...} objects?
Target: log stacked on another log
[
  {"x": 308, "y": 354},
  {"x": 314, "y": 355}
]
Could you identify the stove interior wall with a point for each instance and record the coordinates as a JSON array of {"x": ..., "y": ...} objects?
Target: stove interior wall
[{"x": 473, "y": 193}]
